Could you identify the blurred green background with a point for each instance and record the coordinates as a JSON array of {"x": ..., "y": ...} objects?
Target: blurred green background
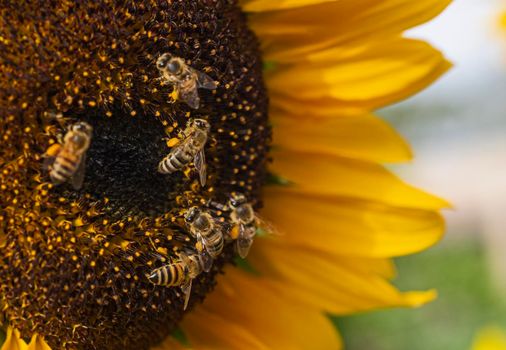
[
  {"x": 467, "y": 301},
  {"x": 457, "y": 129}
]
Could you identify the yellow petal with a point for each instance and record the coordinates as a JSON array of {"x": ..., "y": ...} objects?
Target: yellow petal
[
  {"x": 38, "y": 343},
  {"x": 385, "y": 74},
  {"x": 382, "y": 267},
  {"x": 490, "y": 338},
  {"x": 240, "y": 299},
  {"x": 209, "y": 331},
  {"x": 350, "y": 227},
  {"x": 270, "y": 5},
  {"x": 320, "y": 174},
  {"x": 327, "y": 282},
  {"x": 14, "y": 341},
  {"x": 291, "y": 34},
  {"x": 325, "y": 107},
  {"x": 360, "y": 136}
]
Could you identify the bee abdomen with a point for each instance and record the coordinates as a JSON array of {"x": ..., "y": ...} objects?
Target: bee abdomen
[
  {"x": 168, "y": 275},
  {"x": 175, "y": 161},
  {"x": 215, "y": 243},
  {"x": 166, "y": 166},
  {"x": 63, "y": 169}
]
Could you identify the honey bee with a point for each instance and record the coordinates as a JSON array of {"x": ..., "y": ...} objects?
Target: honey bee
[
  {"x": 246, "y": 223},
  {"x": 180, "y": 273},
  {"x": 185, "y": 79},
  {"x": 207, "y": 231},
  {"x": 66, "y": 162},
  {"x": 191, "y": 148}
]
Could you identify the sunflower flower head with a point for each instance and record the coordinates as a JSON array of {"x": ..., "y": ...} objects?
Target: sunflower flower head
[
  {"x": 74, "y": 261},
  {"x": 82, "y": 261}
]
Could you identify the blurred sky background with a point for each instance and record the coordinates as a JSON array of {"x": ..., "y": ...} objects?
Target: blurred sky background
[
  {"x": 458, "y": 126},
  {"x": 457, "y": 129}
]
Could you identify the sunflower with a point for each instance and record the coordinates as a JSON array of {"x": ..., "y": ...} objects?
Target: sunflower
[{"x": 291, "y": 128}]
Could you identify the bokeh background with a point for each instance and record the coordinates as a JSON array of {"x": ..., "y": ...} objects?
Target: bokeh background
[{"x": 458, "y": 131}]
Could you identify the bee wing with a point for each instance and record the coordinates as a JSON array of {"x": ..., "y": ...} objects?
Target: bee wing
[
  {"x": 77, "y": 179},
  {"x": 204, "y": 81},
  {"x": 245, "y": 240},
  {"x": 186, "y": 288},
  {"x": 200, "y": 165},
  {"x": 265, "y": 228},
  {"x": 207, "y": 262},
  {"x": 190, "y": 96}
]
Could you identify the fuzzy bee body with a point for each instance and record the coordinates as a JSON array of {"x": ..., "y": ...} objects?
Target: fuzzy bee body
[
  {"x": 190, "y": 149},
  {"x": 185, "y": 79},
  {"x": 64, "y": 167},
  {"x": 180, "y": 273},
  {"x": 208, "y": 233},
  {"x": 245, "y": 223},
  {"x": 171, "y": 275},
  {"x": 214, "y": 243},
  {"x": 185, "y": 152},
  {"x": 66, "y": 162},
  {"x": 175, "y": 161}
]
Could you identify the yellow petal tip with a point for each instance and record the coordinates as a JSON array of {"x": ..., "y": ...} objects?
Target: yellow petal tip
[{"x": 417, "y": 299}]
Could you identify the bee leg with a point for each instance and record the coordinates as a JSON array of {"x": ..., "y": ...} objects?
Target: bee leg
[
  {"x": 174, "y": 95},
  {"x": 200, "y": 165}
]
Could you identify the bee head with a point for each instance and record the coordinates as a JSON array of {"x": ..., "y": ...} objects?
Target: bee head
[
  {"x": 192, "y": 214},
  {"x": 82, "y": 127},
  {"x": 78, "y": 140},
  {"x": 163, "y": 61},
  {"x": 175, "y": 65},
  {"x": 201, "y": 124},
  {"x": 79, "y": 135},
  {"x": 237, "y": 199}
]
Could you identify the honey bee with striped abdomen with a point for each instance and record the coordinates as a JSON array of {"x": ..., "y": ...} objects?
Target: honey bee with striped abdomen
[
  {"x": 180, "y": 273},
  {"x": 246, "y": 223},
  {"x": 190, "y": 149},
  {"x": 207, "y": 231},
  {"x": 66, "y": 161},
  {"x": 185, "y": 79}
]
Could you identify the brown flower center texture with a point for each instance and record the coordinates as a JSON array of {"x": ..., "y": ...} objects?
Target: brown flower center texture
[{"x": 74, "y": 262}]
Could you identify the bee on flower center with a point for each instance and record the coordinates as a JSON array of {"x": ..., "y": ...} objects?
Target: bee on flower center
[
  {"x": 245, "y": 222},
  {"x": 66, "y": 162},
  {"x": 185, "y": 79},
  {"x": 208, "y": 232},
  {"x": 180, "y": 273},
  {"x": 190, "y": 149}
]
